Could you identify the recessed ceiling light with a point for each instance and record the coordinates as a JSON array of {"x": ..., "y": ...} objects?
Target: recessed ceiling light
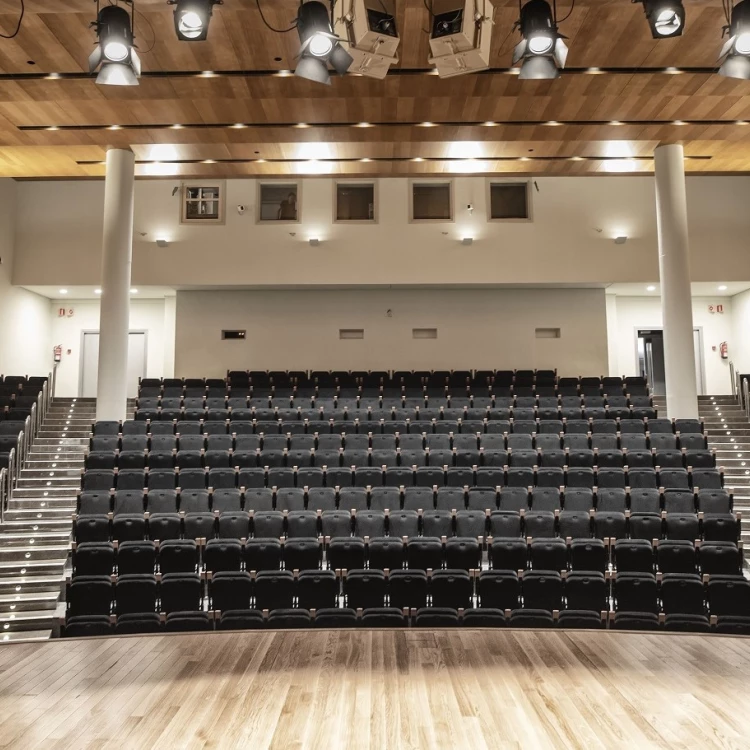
[
  {"x": 723, "y": 288},
  {"x": 364, "y": 125},
  {"x": 114, "y": 127},
  {"x": 283, "y": 73},
  {"x": 97, "y": 291},
  {"x": 365, "y": 159},
  {"x": 53, "y": 127},
  {"x": 63, "y": 291},
  {"x": 301, "y": 125},
  {"x": 177, "y": 126},
  {"x": 209, "y": 161},
  {"x": 417, "y": 158},
  {"x": 490, "y": 124},
  {"x": 134, "y": 291},
  {"x": 552, "y": 122},
  {"x": 616, "y": 122},
  {"x": 427, "y": 125},
  {"x": 207, "y": 74},
  {"x": 238, "y": 125},
  {"x": 651, "y": 288},
  {"x": 53, "y": 76}
]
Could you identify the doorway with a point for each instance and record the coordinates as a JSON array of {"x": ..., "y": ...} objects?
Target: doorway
[
  {"x": 650, "y": 352},
  {"x": 90, "y": 363}
]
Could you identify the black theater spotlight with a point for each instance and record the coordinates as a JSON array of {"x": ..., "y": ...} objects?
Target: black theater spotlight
[
  {"x": 542, "y": 48},
  {"x": 191, "y": 18},
  {"x": 735, "y": 54},
  {"x": 115, "y": 50},
  {"x": 320, "y": 47},
  {"x": 666, "y": 18}
]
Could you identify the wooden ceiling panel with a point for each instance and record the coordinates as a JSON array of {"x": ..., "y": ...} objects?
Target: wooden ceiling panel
[{"x": 207, "y": 86}]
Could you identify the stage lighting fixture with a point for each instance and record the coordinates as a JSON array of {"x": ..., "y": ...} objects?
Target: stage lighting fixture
[
  {"x": 542, "y": 48},
  {"x": 461, "y": 36},
  {"x": 191, "y": 18},
  {"x": 666, "y": 18},
  {"x": 735, "y": 54},
  {"x": 320, "y": 46},
  {"x": 368, "y": 30},
  {"x": 115, "y": 50}
]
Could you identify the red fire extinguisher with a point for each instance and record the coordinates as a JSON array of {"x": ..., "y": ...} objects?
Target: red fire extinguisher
[
  {"x": 58, "y": 353},
  {"x": 723, "y": 350}
]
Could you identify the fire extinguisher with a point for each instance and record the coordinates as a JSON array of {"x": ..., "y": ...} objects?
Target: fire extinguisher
[
  {"x": 58, "y": 353},
  {"x": 723, "y": 350}
]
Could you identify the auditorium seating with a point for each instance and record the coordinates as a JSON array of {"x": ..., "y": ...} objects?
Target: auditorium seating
[{"x": 375, "y": 514}]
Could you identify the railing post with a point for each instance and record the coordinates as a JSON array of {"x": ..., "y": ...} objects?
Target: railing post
[{"x": 3, "y": 493}]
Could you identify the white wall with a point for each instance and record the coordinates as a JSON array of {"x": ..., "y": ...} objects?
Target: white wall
[
  {"x": 739, "y": 345},
  {"x": 476, "y": 328},
  {"x": 570, "y": 239},
  {"x": 24, "y": 316},
  {"x": 145, "y": 315},
  {"x": 645, "y": 312}
]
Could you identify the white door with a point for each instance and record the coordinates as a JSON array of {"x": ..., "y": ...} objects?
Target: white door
[{"x": 90, "y": 362}]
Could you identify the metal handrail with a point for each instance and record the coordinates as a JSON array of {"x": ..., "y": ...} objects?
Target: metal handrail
[
  {"x": 733, "y": 379},
  {"x": 4, "y": 493},
  {"x": 746, "y": 397}
]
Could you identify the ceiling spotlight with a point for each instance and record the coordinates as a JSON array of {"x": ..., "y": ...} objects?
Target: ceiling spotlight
[
  {"x": 651, "y": 288},
  {"x": 666, "y": 18},
  {"x": 723, "y": 288},
  {"x": 134, "y": 291},
  {"x": 115, "y": 50},
  {"x": 63, "y": 291},
  {"x": 370, "y": 36},
  {"x": 542, "y": 49},
  {"x": 320, "y": 46},
  {"x": 191, "y": 18},
  {"x": 621, "y": 239},
  {"x": 735, "y": 54},
  {"x": 461, "y": 37},
  {"x": 97, "y": 291}
]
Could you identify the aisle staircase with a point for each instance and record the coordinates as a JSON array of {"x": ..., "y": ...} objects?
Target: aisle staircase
[
  {"x": 728, "y": 432},
  {"x": 35, "y": 534}
]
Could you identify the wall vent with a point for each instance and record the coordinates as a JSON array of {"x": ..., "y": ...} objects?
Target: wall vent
[
  {"x": 424, "y": 333},
  {"x": 233, "y": 335},
  {"x": 351, "y": 333},
  {"x": 547, "y": 333}
]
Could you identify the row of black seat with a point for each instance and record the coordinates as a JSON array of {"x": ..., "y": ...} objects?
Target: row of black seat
[
  {"x": 432, "y": 525},
  {"x": 672, "y": 593},
  {"x": 388, "y": 553},
  {"x": 493, "y": 473},
  {"x": 388, "y": 617},
  {"x": 520, "y": 499}
]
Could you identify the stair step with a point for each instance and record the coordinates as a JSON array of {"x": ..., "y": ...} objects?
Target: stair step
[
  {"x": 28, "y": 583},
  {"x": 29, "y": 601},
  {"x": 11, "y": 540},
  {"x": 31, "y": 525},
  {"x": 64, "y": 504},
  {"x": 24, "y": 569},
  {"x": 38, "y": 619},
  {"x": 26, "y": 636},
  {"x": 32, "y": 515},
  {"x": 25, "y": 553}
]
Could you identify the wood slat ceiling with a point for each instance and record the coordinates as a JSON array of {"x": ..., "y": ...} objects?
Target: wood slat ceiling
[{"x": 568, "y": 126}]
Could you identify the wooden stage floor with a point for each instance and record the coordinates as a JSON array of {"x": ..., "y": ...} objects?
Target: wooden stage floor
[{"x": 369, "y": 690}]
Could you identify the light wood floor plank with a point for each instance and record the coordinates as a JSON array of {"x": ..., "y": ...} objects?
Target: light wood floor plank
[{"x": 310, "y": 690}]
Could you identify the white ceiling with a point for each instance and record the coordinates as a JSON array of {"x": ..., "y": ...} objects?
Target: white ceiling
[
  {"x": 87, "y": 292},
  {"x": 698, "y": 289}
]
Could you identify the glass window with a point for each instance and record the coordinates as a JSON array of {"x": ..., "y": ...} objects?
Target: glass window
[
  {"x": 203, "y": 203},
  {"x": 509, "y": 200},
  {"x": 278, "y": 202},
  {"x": 432, "y": 202},
  {"x": 355, "y": 202}
]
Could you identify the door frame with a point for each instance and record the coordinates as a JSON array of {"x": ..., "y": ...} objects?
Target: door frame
[
  {"x": 84, "y": 331},
  {"x": 699, "y": 329}
]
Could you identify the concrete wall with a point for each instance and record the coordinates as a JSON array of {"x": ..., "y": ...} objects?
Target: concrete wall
[
  {"x": 476, "y": 328},
  {"x": 25, "y": 345},
  {"x": 570, "y": 239}
]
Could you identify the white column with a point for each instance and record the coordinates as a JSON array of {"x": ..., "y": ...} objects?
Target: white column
[
  {"x": 674, "y": 273},
  {"x": 114, "y": 317}
]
